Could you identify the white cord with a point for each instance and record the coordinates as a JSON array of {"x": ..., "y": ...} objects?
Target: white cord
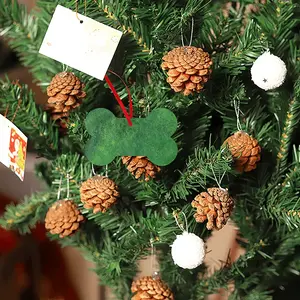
[
  {"x": 68, "y": 186},
  {"x": 59, "y": 188},
  {"x": 179, "y": 225},
  {"x": 237, "y": 113}
]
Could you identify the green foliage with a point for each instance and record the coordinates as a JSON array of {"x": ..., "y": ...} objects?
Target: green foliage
[
  {"x": 24, "y": 216},
  {"x": 19, "y": 103},
  {"x": 267, "y": 206},
  {"x": 290, "y": 125},
  {"x": 206, "y": 165}
]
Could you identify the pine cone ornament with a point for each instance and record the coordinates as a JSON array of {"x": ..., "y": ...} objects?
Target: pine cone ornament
[
  {"x": 245, "y": 151},
  {"x": 65, "y": 93},
  {"x": 151, "y": 289},
  {"x": 215, "y": 206},
  {"x": 63, "y": 218},
  {"x": 140, "y": 165},
  {"x": 188, "y": 69},
  {"x": 99, "y": 193}
]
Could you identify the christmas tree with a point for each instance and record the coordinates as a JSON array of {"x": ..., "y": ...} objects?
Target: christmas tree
[{"x": 219, "y": 66}]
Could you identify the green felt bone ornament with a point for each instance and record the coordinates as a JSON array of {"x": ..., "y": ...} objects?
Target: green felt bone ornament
[{"x": 150, "y": 136}]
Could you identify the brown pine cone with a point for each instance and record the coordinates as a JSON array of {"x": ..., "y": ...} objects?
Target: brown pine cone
[
  {"x": 65, "y": 93},
  {"x": 188, "y": 69},
  {"x": 245, "y": 151},
  {"x": 63, "y": 218},
  {"x": 151, "y": 289},
  {"x": 215, "y": 206},
  {"x": 140, "y": 165},
  {"x": 99, "y": 193}
]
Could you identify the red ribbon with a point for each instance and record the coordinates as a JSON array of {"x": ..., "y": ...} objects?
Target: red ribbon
[{"x": 128, "y": 115}]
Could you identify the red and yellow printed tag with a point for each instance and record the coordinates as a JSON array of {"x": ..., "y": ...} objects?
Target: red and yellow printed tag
[{"x": 13, "y": 147}]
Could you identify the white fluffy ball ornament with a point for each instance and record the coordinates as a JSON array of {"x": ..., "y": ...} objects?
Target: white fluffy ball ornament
[
  {"x": 188, "y": 250},
  {"x": 268, "y": 71}
]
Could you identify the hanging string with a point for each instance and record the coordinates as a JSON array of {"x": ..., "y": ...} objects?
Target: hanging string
[
  {"x": 148, "y": 109},
  {"x": 106, "y": 170},
  {"x": 68, "y": 186},
  {"x": 152, "y": 259},
  {"x": 19, "y": 102},
  {"x": 222, "y": 177},
  {"x": 181, "y": 33},
  {"x": 77, "y": 7},
  {"x": 15, "y": 114},
  {"x": 175, "y": 214},
  {"x": 93, "y": 170},
  {"x": 6, "y": 111},
  {"x": 237, "y": 113},
  {"x": 279, "y": 126},
  {"x": 81, "y": 170},
  {"x": 152, "y": 254},
  {"x": 59, "y": 188},
  {"x": 217, "y": 181},
  {"x": 65, "y": 68},
  {"x": 127, "y": 115},
  {"x": 77, "y": 12},
  {"x": 192, "y": 33}
]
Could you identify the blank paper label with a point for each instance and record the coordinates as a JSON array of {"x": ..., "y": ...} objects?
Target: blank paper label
[{"x": 88, "y": 46}]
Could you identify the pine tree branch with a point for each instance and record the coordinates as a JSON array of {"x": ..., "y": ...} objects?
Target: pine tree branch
[
  {"x": 114, "y": 11},
  {"x": 283, "y": 203},
  {"x": 19, "y": 102},
  {"x": 118, "y": 247},
  {"x": 25, "y": 215},
  {"x": 107, "y": 270},
  {"x": 243, "y": 51},
  {"x": 66, "y": 173},
  {"x": 24, "y": 35},
  {"x": 25, "y": 32},
  {"x": 270, "y": 16},
  {"x": 291, "y": 123},
  {"x": 229, "y": 273},
  {"x": 200, "y": 169}
]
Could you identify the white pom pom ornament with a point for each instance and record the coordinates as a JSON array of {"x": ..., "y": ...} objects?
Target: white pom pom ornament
[
  {"x": 268, "y": 71},
  {"x": 188, "y": 250}
]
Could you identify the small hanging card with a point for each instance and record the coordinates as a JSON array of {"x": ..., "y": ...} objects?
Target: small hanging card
[
  {"x": 80, "y": 42},
  {"x": 150, "y": 136},
  {"x": 13, "y": 147}
]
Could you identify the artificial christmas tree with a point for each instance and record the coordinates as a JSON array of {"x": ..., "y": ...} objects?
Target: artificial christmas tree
[{"x": 266, "y": 200}]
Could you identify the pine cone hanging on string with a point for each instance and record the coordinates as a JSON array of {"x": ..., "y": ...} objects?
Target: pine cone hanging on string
[
  {"x": 215, "y": 206},
  {"x": 99, "y": 193},
  {"x": 140, "y": 165},
  {"x": 245, "y": 151},
  {"x": 65, "y": 93},
  {"x": 188, "y": 69},
  {"x": 63, "y": 218},
  {"x": 150, "y": 288}
]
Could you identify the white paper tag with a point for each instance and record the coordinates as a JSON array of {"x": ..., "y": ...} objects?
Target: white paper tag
[
  {"x": 88, "y": 46},
  {"x": 13, "y": 147}
]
